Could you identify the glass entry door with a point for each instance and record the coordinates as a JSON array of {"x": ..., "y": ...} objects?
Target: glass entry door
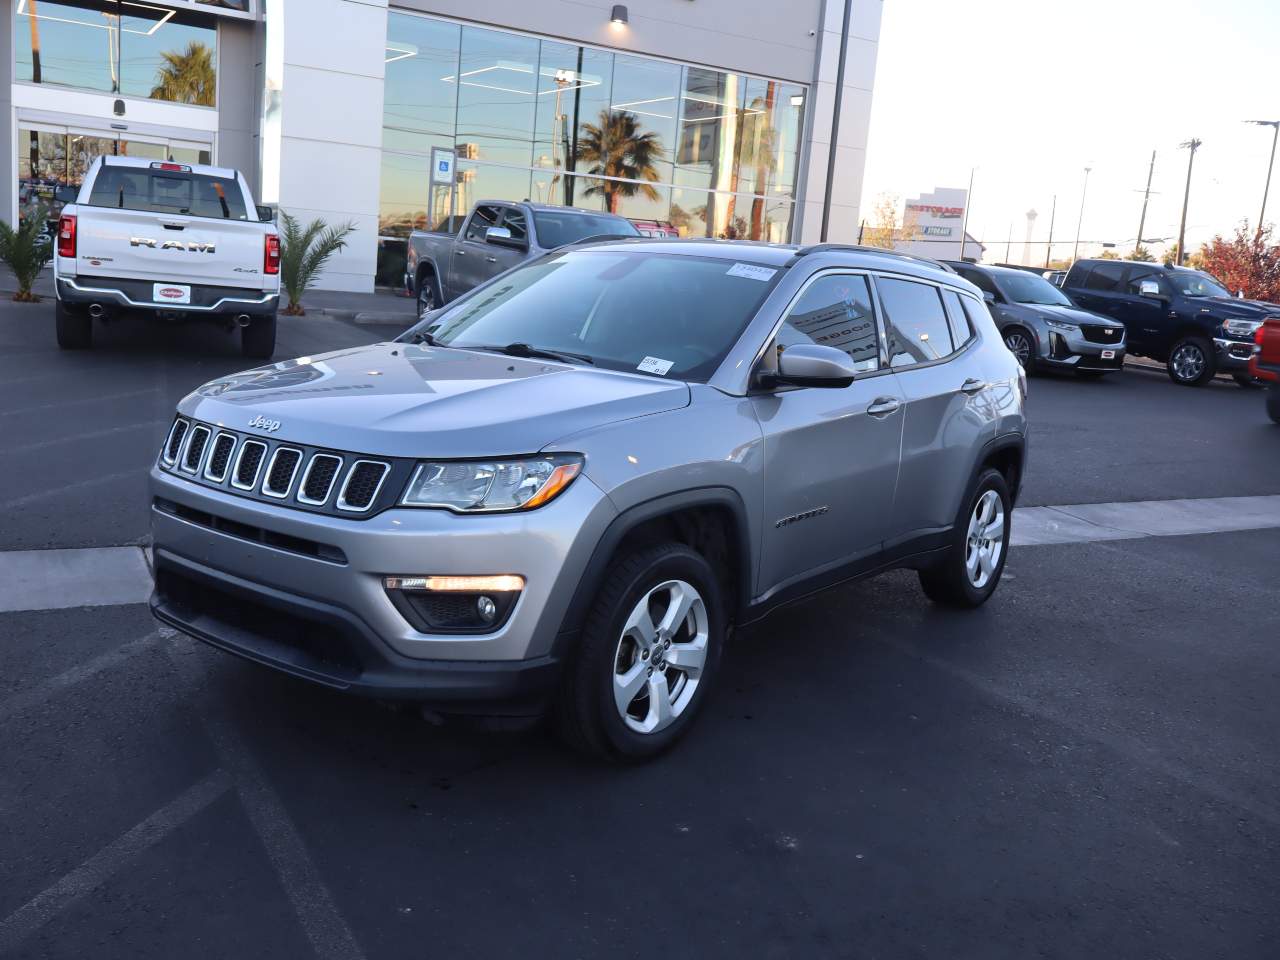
[{"x": 50, "y": 157}]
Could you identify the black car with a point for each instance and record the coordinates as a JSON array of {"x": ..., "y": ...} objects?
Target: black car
[{"x": 1181, "y": 317}]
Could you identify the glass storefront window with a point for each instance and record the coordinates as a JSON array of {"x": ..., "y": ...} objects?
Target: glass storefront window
[
  {"x": 403, "y": 200},
  {"x": 769, "y": 142},
  {"x": 645, "y": 96},
  {"x": 710, "y": 123},
  {"x": 420, "y": 97},
  {"x": 478, "y": 181},
  {"x": 497, "y": 89},
  {"x": 137, "y": 49},
  {"x": 167, "y": 55},
  {"x": 574, "y": 85}
]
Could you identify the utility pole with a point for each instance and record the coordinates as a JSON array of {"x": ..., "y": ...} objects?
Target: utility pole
[
  {"x": 1084, "y": 191},
  {"x": 1048, "y": 250},
  {"x": 968, "y": 202},
  {"x": 1192, "y": 145},
  {"x": 1008, "y": 243},
  {"x": 1275, "y": 125},
  {"x": 1146, "y": 195}
]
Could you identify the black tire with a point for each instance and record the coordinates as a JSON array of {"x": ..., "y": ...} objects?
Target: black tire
[
  {"x": 428, "y": 293},
  {"x": 1247, "y": 382},
  {"x": 75, "y": 330},
  {"x": 258, "y": 339},
  {"x": 587, "y": 716},
  {"x": 1273, "y": 402},
  {"x": 1091, "y": 374},
  {"x": 1191, "y": 362},
  {"x": 947, "y": 582},
  {"x": 1023, "y": 346}
]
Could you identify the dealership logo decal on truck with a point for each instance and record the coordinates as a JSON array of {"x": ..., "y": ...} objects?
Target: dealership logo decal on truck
[
  {"x": 191, "y": 246},
  {"x": 262, "y": 423}
]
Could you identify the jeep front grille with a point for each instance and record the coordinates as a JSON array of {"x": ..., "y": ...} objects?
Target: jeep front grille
[{"x": 287, "y": 474}]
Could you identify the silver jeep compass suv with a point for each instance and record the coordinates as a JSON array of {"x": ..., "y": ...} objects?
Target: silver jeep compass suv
[{"x": 563, "y": 489}]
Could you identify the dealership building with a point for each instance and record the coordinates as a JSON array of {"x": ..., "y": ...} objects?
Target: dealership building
[{"x": 706, "y": 118}]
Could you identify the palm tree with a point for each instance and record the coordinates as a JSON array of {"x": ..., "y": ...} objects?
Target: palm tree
[
  {"x": 617, "y": 148},
  {"x": 25, "y": 251},
  {"x": 186, "y": 77},
  {"x": 303, "y": 253}
]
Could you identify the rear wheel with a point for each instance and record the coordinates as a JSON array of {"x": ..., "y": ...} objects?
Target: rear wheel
[
  {"x": 1191, "y": 362},
  {"x": 648, "y": 655},
  {"x": 75, "y": 330},
  {"x": 258, "y": 339},
  {"x": 428, "y": 294},
  {"x": 1022, "y": 345},
  {"x": 970, "y": 571},
  {"x": 1273, "y": 402}
]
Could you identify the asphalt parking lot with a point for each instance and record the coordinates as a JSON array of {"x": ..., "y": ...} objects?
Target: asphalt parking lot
[{"x": 1085, "y": 766}]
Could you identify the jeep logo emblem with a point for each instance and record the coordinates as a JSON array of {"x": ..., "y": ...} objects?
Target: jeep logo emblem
[{"x": 262, "y": 423}]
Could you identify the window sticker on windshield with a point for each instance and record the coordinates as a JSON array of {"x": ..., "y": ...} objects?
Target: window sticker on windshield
[
  {"x": 751, "y": 272},
  {"x": 654, "y": 365}
]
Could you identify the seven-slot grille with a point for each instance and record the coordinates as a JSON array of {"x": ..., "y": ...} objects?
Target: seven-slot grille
[
  {"x": 1097, "y": 333},
  {"x": 320, "y": 480}
]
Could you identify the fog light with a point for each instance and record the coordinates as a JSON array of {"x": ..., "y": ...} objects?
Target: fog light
[
  {"x": 455, "y": 604},
  {"x": 487, "y": 609},
  {"x": 500, "y": 583}
]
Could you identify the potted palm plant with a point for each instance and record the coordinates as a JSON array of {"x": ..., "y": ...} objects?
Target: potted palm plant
[
  {"x": 303, "y": 253},
  {"x": 25, "y": 251}
]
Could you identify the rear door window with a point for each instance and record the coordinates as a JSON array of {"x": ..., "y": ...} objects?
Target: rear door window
[
  {"x": 515, "y": 221},
  {"x": 915, "y": 322},
  {"x": 961, "y": 332},
  {"x": 1105, "y": 276},
  {"x": 175, "y": 192}
]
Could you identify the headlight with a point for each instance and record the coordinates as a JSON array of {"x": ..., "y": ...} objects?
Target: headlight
[
  {"x": 1063, "y": 325},
  {"x": 486, "y": 486},
  {"x": 1241, "y": 328}
]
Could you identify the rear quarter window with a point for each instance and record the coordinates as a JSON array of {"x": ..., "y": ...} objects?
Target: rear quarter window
[{"x": 1105, "y": 276}]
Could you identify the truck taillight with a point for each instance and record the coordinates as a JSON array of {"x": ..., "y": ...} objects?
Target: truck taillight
[
  {"x": 271, "y": 260},
  {"x": 67, "y": 236}
]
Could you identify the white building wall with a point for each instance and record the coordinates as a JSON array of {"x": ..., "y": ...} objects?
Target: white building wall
[{"x": 322, "y": 136}]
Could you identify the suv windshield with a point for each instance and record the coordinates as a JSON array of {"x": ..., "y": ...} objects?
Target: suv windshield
[
  {"x": 1028, "y": 288},
  {"x": 666, "y": 314},
  {"x": 168, "y": 191},
  {"x": 556, "y": 229},
  {"x": 1192, "y": 283}
]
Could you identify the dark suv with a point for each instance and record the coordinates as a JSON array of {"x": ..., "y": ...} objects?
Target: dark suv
[{"x": 1182, "y": 317}]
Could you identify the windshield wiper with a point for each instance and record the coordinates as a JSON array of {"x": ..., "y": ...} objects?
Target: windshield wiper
[{"x": 519, "y": 349}]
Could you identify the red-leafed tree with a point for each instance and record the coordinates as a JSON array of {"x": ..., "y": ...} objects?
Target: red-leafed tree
[{"x": 1249, "y": 261}]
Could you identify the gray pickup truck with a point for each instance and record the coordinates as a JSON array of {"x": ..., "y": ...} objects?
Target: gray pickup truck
[{"x": 495, "y": 237}]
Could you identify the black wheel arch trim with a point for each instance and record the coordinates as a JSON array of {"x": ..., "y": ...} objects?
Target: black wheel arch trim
[{"x": 632, "y": 518}]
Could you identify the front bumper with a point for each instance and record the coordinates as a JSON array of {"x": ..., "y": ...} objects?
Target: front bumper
[
  {"x": 241, "y": 575},
  {"x": 206, "y": 301},
  {"x": 1072, "y": 350},
  {"x": 1233, "y": 354}
]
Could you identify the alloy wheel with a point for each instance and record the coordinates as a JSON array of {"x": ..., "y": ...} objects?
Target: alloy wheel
[
  {"x": 985, "y": 541},
  {"x": 426, "y": 298},
  {"x": 1187, "y": 362},
  {"x": 660, "y": 656},
  {"x": 1020, "y": 347}
]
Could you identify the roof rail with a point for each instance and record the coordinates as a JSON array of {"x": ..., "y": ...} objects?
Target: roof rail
[{"x": 857, "y": 248}]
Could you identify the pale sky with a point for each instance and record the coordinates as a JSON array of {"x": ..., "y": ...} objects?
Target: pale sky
[{"x": 1030, "y": 92}]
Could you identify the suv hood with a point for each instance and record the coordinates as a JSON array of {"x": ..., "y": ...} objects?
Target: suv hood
[
  {"x": 409, "y": 400},
  {"x": 1069, "y": 314}
]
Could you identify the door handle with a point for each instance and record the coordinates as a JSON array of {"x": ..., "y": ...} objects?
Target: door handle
[
  {"x": 459, "y": 253},
  {"x": 973, "y": 385},
  {"x": 883, "y": 406},
  {"x": 490, "y": 259}
]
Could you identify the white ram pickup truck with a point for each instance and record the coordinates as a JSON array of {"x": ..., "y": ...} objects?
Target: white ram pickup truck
[{"x": 173, "y": 241}]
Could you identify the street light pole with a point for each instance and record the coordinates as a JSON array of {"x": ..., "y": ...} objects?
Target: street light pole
[
  {"x": 964, "y": 225},
  {"x": 1048, "y": 250},
  {"x": 1084, "y": 191},
  {"x": 1193, "y": 145},
  {"x": 1275, "y": 125}
]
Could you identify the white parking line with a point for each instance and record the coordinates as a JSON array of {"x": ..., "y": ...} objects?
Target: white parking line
[
  {"x": 109, "y": 861},
  {"x": 56, "y": 579},
  {"x": 140, "y": 472}
]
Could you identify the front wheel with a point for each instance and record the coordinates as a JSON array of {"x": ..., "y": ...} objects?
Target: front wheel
[
  {"x": 649, "y": 653},
  {"x": 970, "y": 570},
  {"x": 1191, "y": 362},
  {"x": 75, "y": 330},
  {"x": 258, "y": 339},
  {"x": 1021, "y": 345}
]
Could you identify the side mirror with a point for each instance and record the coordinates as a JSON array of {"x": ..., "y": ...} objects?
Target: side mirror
[
  {"x": 812, "y": 365},
  {"x": 988, "y": 296},
  {"x": 501, "y": 236},
  {"x": 1149, "y": 288}
]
